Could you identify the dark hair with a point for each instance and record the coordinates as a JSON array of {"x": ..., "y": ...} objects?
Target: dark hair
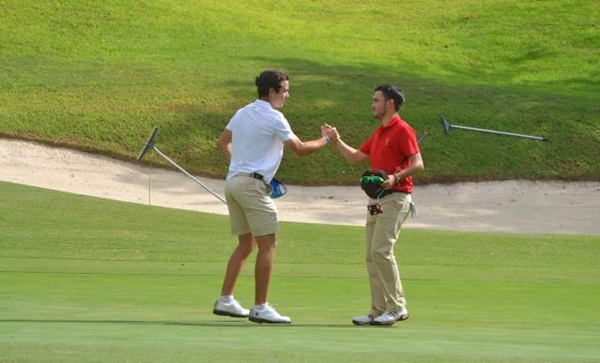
[
  {"x": 392, "y": 93},
  {"x": 268, "y": 79}
]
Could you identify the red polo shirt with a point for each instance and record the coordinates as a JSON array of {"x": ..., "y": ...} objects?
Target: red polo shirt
[{"x": 389, "y": 149}]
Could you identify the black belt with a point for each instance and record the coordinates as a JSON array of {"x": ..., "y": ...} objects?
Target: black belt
[{"x": 257, "y": 176}]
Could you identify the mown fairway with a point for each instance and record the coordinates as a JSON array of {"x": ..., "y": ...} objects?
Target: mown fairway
[{"x": 91, "y": 280}]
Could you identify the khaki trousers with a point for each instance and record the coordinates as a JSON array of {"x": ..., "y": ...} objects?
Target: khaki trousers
[{"x": 382, "y": 232}]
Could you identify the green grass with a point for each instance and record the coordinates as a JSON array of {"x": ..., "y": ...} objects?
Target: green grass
[
  {"x": 98, "y": 75},
  {"x": 90, "y": 280}
]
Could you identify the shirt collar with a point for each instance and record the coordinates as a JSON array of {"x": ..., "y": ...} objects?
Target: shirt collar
[
  {"x": 396, "y": 119},
  {"x": 263, "y": 104}
]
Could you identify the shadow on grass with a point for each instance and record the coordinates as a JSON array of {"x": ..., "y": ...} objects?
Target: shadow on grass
[{"x": 242, "y": 323}]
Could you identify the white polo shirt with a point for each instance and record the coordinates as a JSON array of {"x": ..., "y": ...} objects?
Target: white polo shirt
[{"x": 258, "y": 133}]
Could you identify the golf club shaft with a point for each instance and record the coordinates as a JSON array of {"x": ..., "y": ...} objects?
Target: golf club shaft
[
  {"x": 188, "y": 174},
  {"x": 499, "y": 132}
]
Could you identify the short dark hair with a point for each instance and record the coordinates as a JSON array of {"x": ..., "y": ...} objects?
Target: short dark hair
[
  {"x": 392, "y": 93},
  {"x": 271, "y": 78}
]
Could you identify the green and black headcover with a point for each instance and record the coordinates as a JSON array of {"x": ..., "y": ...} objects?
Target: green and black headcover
[{"x": 371, "y": 180}]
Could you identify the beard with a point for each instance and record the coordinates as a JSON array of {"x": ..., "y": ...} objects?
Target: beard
[{"x": 378, "y": 114}]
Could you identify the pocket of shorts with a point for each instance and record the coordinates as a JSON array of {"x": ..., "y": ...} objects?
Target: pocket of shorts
[
  {"x": 269, "y": 188},
  {"x": 262, "y": 187}
]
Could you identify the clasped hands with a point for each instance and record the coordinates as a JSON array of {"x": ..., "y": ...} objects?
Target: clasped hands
[{"x": 330, "y": 132}]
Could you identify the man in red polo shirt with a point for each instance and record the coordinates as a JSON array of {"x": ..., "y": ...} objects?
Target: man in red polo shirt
[{"x": 392, "y": 148}]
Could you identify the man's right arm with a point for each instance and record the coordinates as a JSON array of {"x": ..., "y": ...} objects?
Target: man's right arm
[
  {"x": 351, "y": 154},
  {"x": 303, "y": 148}
]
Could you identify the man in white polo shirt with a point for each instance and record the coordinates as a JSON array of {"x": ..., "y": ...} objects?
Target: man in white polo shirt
[{"x": 253, "y": 142}]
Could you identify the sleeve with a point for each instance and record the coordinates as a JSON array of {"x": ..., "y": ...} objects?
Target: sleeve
[
  {"x": 229, "y": 125},
  {"x": 409, "y": 142},
  {"x": 282, "y": 128},
  {"x": 366, "y": 147}
]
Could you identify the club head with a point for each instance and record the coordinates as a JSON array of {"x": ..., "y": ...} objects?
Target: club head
[
  {"x": 446, "y": 125},
  {"x": 149, "y": 144}
]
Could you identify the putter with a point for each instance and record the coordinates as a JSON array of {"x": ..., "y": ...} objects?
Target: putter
[
  {"x": 447, "y": 126},
  {"x": 150, "y": 146}
]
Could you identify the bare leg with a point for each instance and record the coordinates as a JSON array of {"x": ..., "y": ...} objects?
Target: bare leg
[
  {"x": 236, "y": 262},
  {"x": 264, "y": 265}
]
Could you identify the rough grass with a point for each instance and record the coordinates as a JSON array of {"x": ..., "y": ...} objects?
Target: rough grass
[{"x": 98, "y": 77}]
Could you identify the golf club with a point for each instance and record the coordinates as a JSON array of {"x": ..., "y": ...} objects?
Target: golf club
[
  {"x": 447, "y": 126},
  {"x": 150, "y": 146}
]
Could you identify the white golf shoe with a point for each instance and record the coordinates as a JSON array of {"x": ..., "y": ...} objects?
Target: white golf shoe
[
  {"x": 234, "y": 309},
  {"x": 391, "y": 317},
  {"x": 268, "y": 315},
  {"x": 363, "y": 319}
]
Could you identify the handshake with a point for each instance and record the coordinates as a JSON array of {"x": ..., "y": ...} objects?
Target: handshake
[{"x": 330, "y": 133}]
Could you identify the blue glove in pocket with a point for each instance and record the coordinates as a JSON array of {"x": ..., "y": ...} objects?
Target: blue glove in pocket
[{"x": 278, "y": 188}]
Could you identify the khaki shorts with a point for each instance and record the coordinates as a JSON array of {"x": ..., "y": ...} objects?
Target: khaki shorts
[{"x": 251, "y": 208}]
